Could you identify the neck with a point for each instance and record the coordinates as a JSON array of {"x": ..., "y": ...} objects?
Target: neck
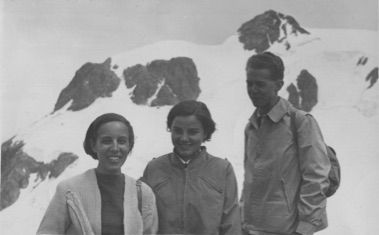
[
  {"x": 99, "y": 171},
  {"x": 190, "y": 157}
]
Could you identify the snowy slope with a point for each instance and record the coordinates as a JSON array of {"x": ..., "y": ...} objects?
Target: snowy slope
[{"x": 347, "y": 113}]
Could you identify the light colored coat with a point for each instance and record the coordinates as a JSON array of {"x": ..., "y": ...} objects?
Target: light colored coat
[
  {"x": 76, "y": 208},
  {"x": 285, "y": 183}
]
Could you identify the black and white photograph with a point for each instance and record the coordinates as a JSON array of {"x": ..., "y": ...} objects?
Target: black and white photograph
[{"x": 244, "y": 117}]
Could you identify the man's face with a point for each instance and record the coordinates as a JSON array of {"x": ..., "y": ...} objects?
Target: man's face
[{"x": 262, "y": 90}]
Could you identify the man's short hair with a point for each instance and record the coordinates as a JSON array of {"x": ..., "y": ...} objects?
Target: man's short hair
[{"x": 267, "y": 60}]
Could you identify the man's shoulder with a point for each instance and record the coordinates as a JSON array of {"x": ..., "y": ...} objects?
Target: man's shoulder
[{"x": 298, "y": 114}]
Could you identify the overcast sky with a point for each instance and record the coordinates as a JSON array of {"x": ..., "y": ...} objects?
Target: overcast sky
[{"x": 41, "y": 41}]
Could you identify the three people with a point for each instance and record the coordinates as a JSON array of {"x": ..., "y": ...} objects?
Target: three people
[
  {"x": 285, "y": 178},
  {"x": 103, "y": 200},
  {"x": 196, "y": 192}
]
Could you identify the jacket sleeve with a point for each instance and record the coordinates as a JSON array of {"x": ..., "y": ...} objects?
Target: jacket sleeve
[
  {"x": 231, "y": 219},
  {"x": 145, "y": 176},
  {"x": 314, "y": 168},
  {"x": 56, "y": 219},
  {"x": 245, "y": 156},
  {"x": 149, "y": 211}
]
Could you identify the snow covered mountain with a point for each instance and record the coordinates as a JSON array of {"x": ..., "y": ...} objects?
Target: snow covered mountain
[{"x": 342, "y": 62}]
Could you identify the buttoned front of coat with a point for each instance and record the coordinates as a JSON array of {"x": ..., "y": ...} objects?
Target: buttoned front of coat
[{"x": 200, "y": 198}]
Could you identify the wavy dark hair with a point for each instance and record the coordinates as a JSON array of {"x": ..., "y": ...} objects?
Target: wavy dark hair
[
  {"x": 92, "y": 130},
  {"x": 267, "y": 60},
  {"x": 196, "y": 108}
]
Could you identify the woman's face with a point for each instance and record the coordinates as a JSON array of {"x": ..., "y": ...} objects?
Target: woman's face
[
  {"x": 111, "y": 146},
  {"x": 187, "y": 135}
]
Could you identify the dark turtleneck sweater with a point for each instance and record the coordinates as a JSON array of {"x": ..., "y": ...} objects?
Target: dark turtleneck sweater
[{"x": 112, "y": 203}]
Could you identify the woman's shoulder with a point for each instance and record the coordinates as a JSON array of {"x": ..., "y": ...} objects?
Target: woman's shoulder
[
  {"x": 214, "y": 160},
  {"x": 77, "y": 180},
  {"x": 161, "y": 160},
  {"x": 145, "y": 189}
]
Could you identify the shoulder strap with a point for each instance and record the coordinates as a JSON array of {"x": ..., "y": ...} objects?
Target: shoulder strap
[
  {"x": 293, "y": 126},
  {"x": 139, "y": 195}
]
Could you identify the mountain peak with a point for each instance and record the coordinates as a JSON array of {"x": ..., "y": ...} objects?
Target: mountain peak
[{"x": 263, "y": 30}]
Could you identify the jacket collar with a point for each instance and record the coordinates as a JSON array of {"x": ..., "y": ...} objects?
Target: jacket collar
[
  {"x": 193, "y": 163},
  {"x": 280, "y": 109}
]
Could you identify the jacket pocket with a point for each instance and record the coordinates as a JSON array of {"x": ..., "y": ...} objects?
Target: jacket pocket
[{"x": 211, "y": 184}]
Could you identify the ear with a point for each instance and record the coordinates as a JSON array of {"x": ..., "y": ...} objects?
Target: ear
[{"x": 279, "y": 84}]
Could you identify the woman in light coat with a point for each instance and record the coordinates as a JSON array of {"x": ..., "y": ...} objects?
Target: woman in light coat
[{"x": 103, "y": 200}]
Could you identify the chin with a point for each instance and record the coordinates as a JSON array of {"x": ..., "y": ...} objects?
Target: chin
[{"x": 186, "y": 153}]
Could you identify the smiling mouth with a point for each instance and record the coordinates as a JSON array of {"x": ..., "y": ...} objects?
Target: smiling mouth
[
  {"x": 185, "y": 146},
  {"x": 114, "y": 158}
]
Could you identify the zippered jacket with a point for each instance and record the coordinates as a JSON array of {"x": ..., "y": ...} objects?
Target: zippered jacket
[
  {"x": 200, "y": 198},
  {"x": 285, "y": 183},
  {"x": 76, "y": 208}
]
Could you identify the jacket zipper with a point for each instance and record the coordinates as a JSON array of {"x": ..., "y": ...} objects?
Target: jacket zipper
[{"x": 184, "y": 198}]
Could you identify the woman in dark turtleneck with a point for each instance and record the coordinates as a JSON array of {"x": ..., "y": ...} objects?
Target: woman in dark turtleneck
[
  {"x": 196, "y": 192},
  {"x": 102, "y": 200}
]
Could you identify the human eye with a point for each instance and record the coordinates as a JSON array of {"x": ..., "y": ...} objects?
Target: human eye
[
  {"x": 123, "y": 140},
  {"x": 193, "y": 131},
  {"x": 106, "y": 140},
  {"x": 260, "y": 84},
  {"x": 177, "y": 130}
]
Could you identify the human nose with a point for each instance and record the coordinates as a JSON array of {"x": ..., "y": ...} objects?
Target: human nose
[
  {"x": 184, "y": 137},
  {"x": 115, "y": 146}
]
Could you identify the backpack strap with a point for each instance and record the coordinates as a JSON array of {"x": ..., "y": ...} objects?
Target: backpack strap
[
  {"x": 139, "y": 195},
  {"x": 293, "y": 127}
]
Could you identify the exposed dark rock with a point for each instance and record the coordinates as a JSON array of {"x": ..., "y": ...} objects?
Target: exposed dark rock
[
  {"x": 308, "y": 90},
  {"x": 263, "y": 30},
  {"x": 58, "y": 165},
  {"x": 16, "y": 167},
  {"x": 165, "y": 96},
  {"x": 296, "y": 28},
  {"x": 144, "y": 82},
  {"x": 362, "y": 60},
  {"x": 293, "y": 96},
  {"x": 90, "y": 82},
  {"x": 176, "y": 79},
  {"x": 372, "y": 77}
]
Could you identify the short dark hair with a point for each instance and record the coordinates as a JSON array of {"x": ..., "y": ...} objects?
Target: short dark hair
[
  {"x": 91, "y": 134},
  {"x": 196, "y": 108},
  {"x": 267, "y": 60}
]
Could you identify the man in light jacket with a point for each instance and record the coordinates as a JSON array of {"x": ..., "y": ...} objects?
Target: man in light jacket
[{"x": 285, "y": 178}]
